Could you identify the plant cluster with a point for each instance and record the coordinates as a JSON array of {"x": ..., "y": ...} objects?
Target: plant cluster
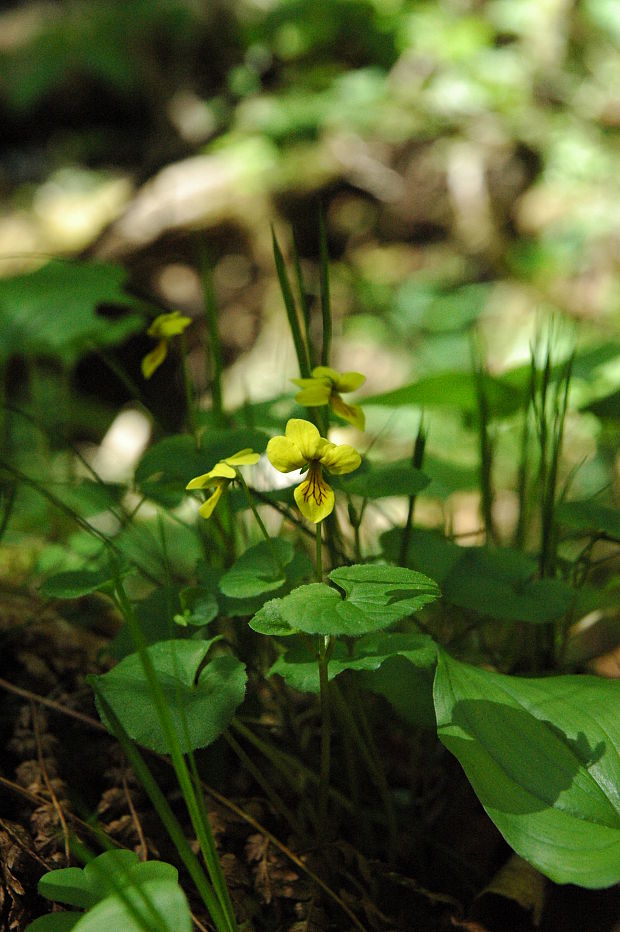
[{"x": 471, "y": 642}]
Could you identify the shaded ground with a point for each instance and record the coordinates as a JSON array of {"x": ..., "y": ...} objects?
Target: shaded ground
[{"x": 59, "y": 768}]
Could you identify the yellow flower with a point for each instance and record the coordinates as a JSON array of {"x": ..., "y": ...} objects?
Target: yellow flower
[
  {"x": 303, "y": 446},
  {"x": 163, "y": 328},
  {"x": 220, "y": 477},
  {"x": 324, "y": 388}
]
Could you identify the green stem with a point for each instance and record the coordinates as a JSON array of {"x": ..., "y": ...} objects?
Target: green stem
[
  {"x": 259, "y": 521},
  {"x": 189, "y": 393},
  {"x": 324, "y": 651},
  {"x": 319, "y": 553},
  {"x": 365, "y": 741},
  {"x": 301, "y": 349},
  {"x": 276, "y": 801},
  {"x": 286, "y": 764},
  {"x": 214, "y": 348}
]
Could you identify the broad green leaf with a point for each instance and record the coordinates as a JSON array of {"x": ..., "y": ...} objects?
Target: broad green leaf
[
  {"x": 205, "y": 705},
  {"x": 543, "y": 756},
  {"x": 502, "y": 584},
  {"x": 376, "y": 597},
  {"x": 297, "y": 572},
  {"x": 74, "y": 584},
  {"x": 498, "y": 583},
  {"x": 454, "y": 389},
  {"x": 377, "y": 481},
  {"x": 52, "y": 311},
  {"x": 268, "y": 620},
  {"x": 589, "y": 517},
  {"x": 85, "y": 886},
  {"x": 257, "y": 571},
  {"x": 407, "y": 687},
  {"x": 54, "y": 922},
  {"x": 165, "y": 896},
  {"x": 299, "y": 665},
  {"x": 383, "y": 591}
]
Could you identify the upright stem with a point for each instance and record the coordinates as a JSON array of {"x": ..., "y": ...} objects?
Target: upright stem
[
  {"x": 189, "y": 394},
  {"x": 214, "y": 347},
  {"x": 325, "y": 644},
  {"x": 319, "y": 554},
  {"x": 324, "y": 651},
  {"x": 259, "y": 521}
]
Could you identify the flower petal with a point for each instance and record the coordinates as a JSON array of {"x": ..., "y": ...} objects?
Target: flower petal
[
  {"x": 284, "y": 454},
  {"x": 351, "y": 413},
  {"x": 206, "y": 509},
  {"x": 349, "y": 381},
  {"x": 221, "y": 470},
  {"x": 168, "y": 325},
  {"x": 305, "y": 436},
  {"x": 315, "y": 498},
  {"x": 340, "y": 459},
  {"x": 324, "y": 372},
  {"x": 245, "y": 457},
  {"x": 314, "y": 395},
  {"x": 154, "y": 359}
]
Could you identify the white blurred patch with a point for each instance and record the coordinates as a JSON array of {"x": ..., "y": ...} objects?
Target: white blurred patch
[{"x": 122, "y": 446}]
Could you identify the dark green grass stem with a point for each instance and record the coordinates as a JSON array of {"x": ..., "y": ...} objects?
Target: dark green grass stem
[
  {"x": 323, "y": 660},
  {"x": 325, "y": 645},
  {"x": 326, "y": 309},
  {"x": 214, "y": 347},
  {"x": 165, "y": 813},
  {"x": 486, "y": 450},
  {"x": 274, "y": 798},
  {"x": 367, "y": 748},
  {"x": 259, "y": 521},
  {"x": 417, "y": 458},
  {"x": 303, "y": 301},
  {"x": 303, "y": 358},
  {"x": 189, "y": 392},
  {"x": 287, "y": 765},
  {"x": 202, "y": 828}
]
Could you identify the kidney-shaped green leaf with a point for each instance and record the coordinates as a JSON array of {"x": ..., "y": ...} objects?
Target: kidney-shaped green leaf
[
  {"x": 206, "y": 705},
  {"x": 543, "y": 756},
  {"x": 375, "y": 598}
]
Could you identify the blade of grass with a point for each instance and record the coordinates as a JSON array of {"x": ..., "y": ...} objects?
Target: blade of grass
[{"x": 291, "y": 310}]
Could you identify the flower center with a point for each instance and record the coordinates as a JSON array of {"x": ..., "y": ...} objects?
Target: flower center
[{"x": 314, "y": 487}]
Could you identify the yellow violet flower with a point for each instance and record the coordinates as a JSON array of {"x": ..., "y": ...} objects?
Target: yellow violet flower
[
  {"x": 303, "y": 446},
  {"x": 163, "y": 328},
  {"x": 325, "y": 388},
  {"x": 220, "y": 477}
]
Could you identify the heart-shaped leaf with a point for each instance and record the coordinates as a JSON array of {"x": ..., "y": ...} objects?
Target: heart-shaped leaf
[
  {"x": 205, "y": 706},
  {"x": 543, "y": 756},
  {"x": 376, "y": 597}
]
